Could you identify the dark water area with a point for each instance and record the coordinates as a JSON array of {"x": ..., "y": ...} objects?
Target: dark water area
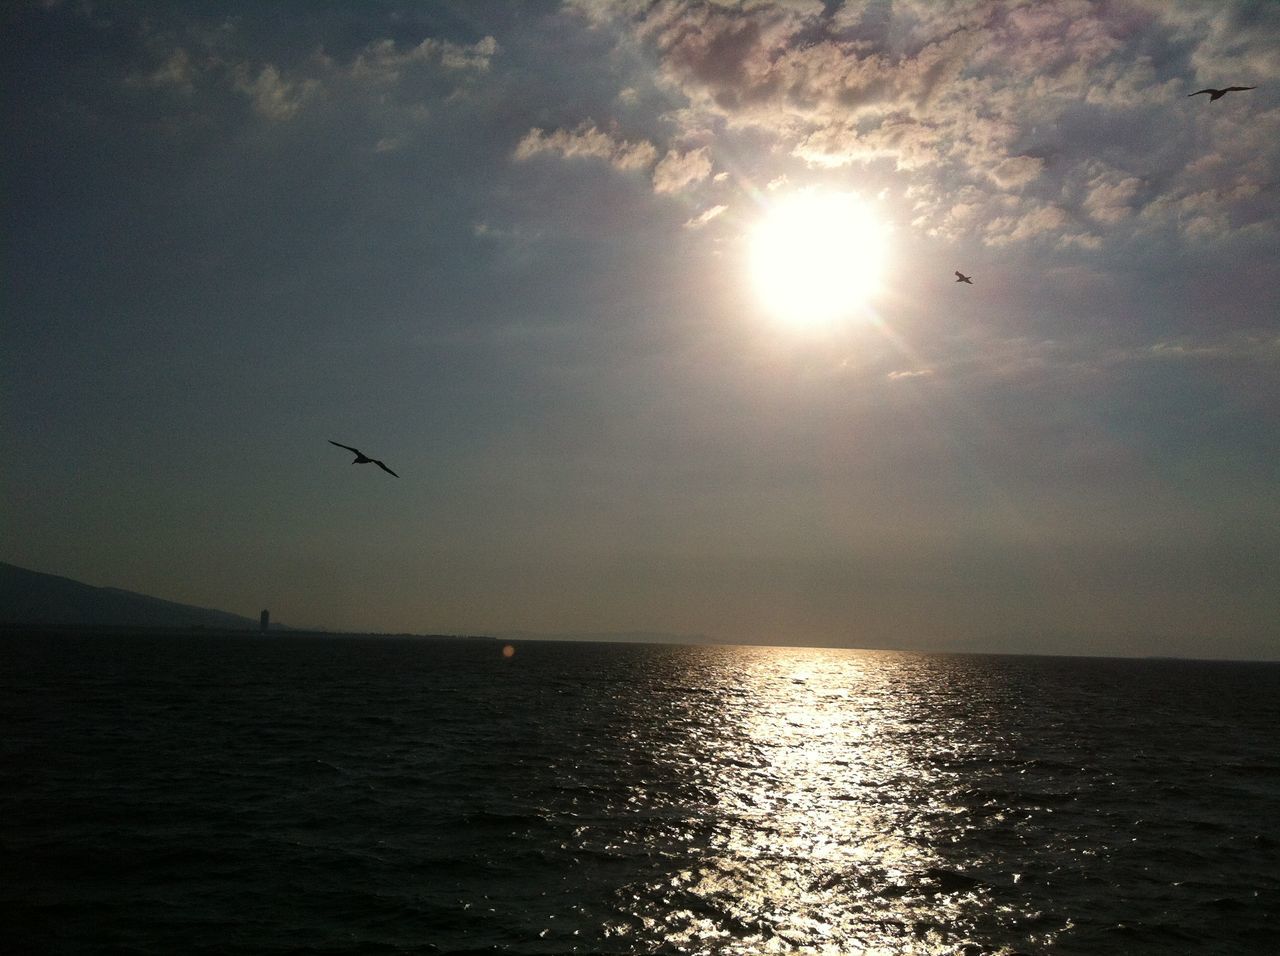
[{"x": 245, "y": 794}]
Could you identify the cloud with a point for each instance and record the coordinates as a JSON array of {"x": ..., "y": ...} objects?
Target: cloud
[
  {"x": 704, "y": 217},
  {"x": 1004, "y": 98},
  {"x": 1017, "y": 171},
  {"x": 1039, "y": 220},
  {"x": 678, "y": 170},
  {"x": 1226, "y": 40},
  {"x": 1246, "y": 347},
  {"x": 176, "y": 72},
  {"x": 1111, "y": 195},
  {"x": 191, "y": 54},
  {"x": 910, "y": 143},
  {"x": 1081, "y": 240},
  {"x": 1206, "y": 214},
  {"x": 589, "y": 142},
  {"x": 383, "y": 61},
  {"x": 272, "y": 95}
]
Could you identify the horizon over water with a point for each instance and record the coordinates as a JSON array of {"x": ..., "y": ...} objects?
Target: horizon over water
[{"x": 214, "y": 793}]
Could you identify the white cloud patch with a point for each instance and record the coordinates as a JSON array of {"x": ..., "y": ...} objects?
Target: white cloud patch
[
  {"x": 178, "y": 71},
  {"x": 1239, "y": 347},
  {"x": 1006, "y": 229},
  {"x": 1227, "y": 40},
  {"x": 273, "y": 96},
  {"x": 1111, "y": 197},
  {"x": 383, "y": 61},
  {"x": 700, "y": 220},
  {"x": 1081, "y": 240},
  {"x": 1017, "y": 171},
  {"x": 678, "y": 170},
  {"x": 908, "y": 142},
  {"x": 280, "y": 90},
  {"x": 587, "y": 142}
]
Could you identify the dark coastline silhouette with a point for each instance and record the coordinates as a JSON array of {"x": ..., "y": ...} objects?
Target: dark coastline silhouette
[{"x": 34, "y": 598}]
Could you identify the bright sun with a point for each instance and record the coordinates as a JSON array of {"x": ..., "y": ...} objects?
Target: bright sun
[{"x": 817, "y": 256}]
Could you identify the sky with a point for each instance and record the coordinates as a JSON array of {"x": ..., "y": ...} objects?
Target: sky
[{"x": 530, "y": 255}]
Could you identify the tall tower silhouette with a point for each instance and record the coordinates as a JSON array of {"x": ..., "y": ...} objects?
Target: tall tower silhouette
[{"x": 264, "y": 621}]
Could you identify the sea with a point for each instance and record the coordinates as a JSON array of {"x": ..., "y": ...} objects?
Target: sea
[{"x": 292, "y": 793}]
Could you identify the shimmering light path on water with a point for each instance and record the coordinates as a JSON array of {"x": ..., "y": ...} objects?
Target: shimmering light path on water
[{"x": 257, "y": 795}]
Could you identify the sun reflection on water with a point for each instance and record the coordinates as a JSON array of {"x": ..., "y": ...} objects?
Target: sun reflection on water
[{"x": 828, "y": 815}]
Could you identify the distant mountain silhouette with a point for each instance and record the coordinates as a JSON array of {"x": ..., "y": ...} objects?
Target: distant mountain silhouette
[{"x": 32, "y": 598}]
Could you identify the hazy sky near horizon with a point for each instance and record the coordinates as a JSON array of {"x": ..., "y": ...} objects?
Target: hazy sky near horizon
[{"x": 506, "y": 247}]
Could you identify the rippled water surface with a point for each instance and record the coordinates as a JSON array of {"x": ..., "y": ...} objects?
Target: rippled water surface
[{"x": 342, "y": 795}]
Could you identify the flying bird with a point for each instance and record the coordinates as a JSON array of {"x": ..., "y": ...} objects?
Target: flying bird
[
  {"x": 961, "y": 277},
  {"x": 363, "y": 459},
  {"x": 1218, "y": 94}
]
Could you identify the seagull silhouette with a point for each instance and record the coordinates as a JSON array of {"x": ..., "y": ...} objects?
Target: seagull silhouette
[
  {"x": 362, "y": 458},
  {"x": 961, "y": 277},
  {"x": 1219, "y": 94}
]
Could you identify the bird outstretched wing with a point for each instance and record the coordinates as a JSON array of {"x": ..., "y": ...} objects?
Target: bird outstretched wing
[
  {"x": 1239, "y": 89},
  {"x": 347, "y": 447},
  {"x": 959, "y": 274},
  {"x": 385, "y": 468},
  {"x": 1198, "y": 92}
]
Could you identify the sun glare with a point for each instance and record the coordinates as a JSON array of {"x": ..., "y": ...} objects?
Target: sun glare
[{"x": 817, "y": 256}]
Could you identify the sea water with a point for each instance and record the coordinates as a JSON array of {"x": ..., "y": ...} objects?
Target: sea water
[{"x": 332, "y": 794}]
